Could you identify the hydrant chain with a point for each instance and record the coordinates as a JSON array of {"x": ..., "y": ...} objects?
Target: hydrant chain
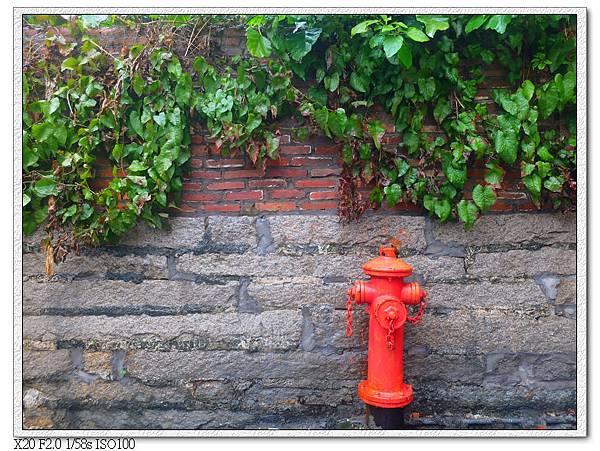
[
  {"x": 349, "y": 316},
  {"x": 415, "y": 319}
]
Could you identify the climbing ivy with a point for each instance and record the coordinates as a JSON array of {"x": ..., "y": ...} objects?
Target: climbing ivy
[
  {"x": 420, "y": 67},
  {"x": 333, "y": 74}
]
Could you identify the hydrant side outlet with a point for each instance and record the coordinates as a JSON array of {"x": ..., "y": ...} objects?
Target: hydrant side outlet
[{"x": 386, "y": 295}]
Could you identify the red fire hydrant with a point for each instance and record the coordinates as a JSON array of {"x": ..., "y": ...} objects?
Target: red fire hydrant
[{"x": 386, "y": 296}]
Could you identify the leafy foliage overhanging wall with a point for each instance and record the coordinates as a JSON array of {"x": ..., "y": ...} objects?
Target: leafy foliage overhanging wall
[{"x": 135, "y": 107}]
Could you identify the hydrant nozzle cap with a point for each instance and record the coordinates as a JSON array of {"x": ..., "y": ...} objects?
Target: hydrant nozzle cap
[{"x": 387, "y": 264}]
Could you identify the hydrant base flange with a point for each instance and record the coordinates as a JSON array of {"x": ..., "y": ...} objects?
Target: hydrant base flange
[{"x": 384, "y": 399}]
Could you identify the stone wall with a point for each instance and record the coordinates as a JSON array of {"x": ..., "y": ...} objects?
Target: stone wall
[{"x": 238, "y": 322}]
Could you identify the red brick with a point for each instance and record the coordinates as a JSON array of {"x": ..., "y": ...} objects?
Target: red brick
[
  {"x": 190, "y": 186},
  {"x": 201, "y": 197},
  {"x": 244, "y": 195},
  {"x": 266, "y": 183},
  {"x": 316, "y": 183},
  {"x": 225, "y": 185},
  {"x": 199, "y": 150},
  {"x": 501, "y": 206},
  {"x": 185, "y": 208},
  {"x": 206, "y": 174},
  {"x": 197, "y": 139},
  {"x": 242, "y": 173},
  {"x": 295, "y": 150},
  {"x": 275, "y": 206},
  {"x": 196, "y": 162},
  {"x": 328, "y": 150},
  {"x": 326, "y": 205},
  {"x": 323, "y": 195},
  {"x": 325, "y": 172},
  {"x": 284, "y": 139},
  {"x": 286, "y": 172},
  {"x": 510, "y": 195},
  {"x": 287, "y": 193},
  {"x": 221, "y": 207},
  {"x": 281, "y": 161},
  {"x": 392, "y": 139},
  {"x": 528, "y": 206},
  {"x": 310, "y": 161},
  {"x": 225, "y": 163}
]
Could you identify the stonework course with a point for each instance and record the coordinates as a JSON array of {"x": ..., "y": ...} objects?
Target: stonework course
[{"x": 239, "y": 321}]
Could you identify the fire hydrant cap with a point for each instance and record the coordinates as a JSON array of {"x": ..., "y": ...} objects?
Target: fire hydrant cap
[{"x": 387, "y": 265}]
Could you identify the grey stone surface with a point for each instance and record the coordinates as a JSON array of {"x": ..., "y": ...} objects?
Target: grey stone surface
[
  {"x": 520, "y": 295},
  {"x": 116, "y": 297},
  {"x": 364, "y": 236},
  {"x": 240, "y": 322},
  {"x": 46, "y": 364},
  {"x": 437, "y": 269},
  {"x": 181, "y": 233},
  {"x": 146, "y": 266},
  {"x": 154, "y": 367},
  {"x": 490, "y": 331},
  {"x": 271, "y": 330},
  {"x": 512, "y": 230},
  {"x": 158, "y": 419},
  {"x": 567, "y": 291},
  {"x": 523, "y": 263},
  {"x": 245, "y": 265},
  {"x": 462, "y": 369},
  {"x": 234, "y": 230},
  {"x": 296, "y": 292}
]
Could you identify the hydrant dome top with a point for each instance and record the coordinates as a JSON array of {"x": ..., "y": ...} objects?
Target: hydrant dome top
[{"x": 387, "y": 264}]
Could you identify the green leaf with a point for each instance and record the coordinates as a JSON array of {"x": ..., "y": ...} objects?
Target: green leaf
[
  {"x": 86, "y": 212},
  {"x": 183, "y": 90},
  {"x": 42, "y": 131},
  {"x": 117, "y": 151},
  {"x": 376, "y": 195},
  {"x": 46, "y": 186},
  {"x": 358, "y": 82},
  {"x": 26, "y": 199},
  {"x": 160, "y": 119},
  {"x": 138, "y": 84},
  {"x": 376, "y": 131},
  {"x": 484, "y": 197},
  {"x": 498, "y": 23},
  {"x": 332, "y": 81},
  {"x": 533, "y": 183},
  {"x": 528, "y": 89},
  {"x": 442, "y": 110},
  {"x": 416, "y": 35},
  {"x": 257, "y": 44},
  {"x": 411, "y": 141},
  {"x": 548, "y": 100},
  {"x": 494, "y": 174},
  {"x": 136, "y": 123},
  {"x": 475, "y": 23},
  {"x": 426, "y": 87},
  {"x": 69, "y": 64},
  {"x": 405, "y": 56},
  {"x": 391, "y": 45},
  {"x": 393, "y": 194},
  {"x": 337, "y": 122},
  {"x": 174, "y": 67},
  {"x": 347, "y": 154},
  {"x": 433, "y": 24},
  {"x": 322, "y": 118},
  {"x": 442, "y": 208},
  {"x": 507, "y": 145},
  {"x": 362, "y": 27},
  {"x": 554, "y": 183},
  {"x": 467, "y": 213}
]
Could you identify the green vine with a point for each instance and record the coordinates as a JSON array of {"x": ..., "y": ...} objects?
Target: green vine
[{"x": 333, "y": 74}]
